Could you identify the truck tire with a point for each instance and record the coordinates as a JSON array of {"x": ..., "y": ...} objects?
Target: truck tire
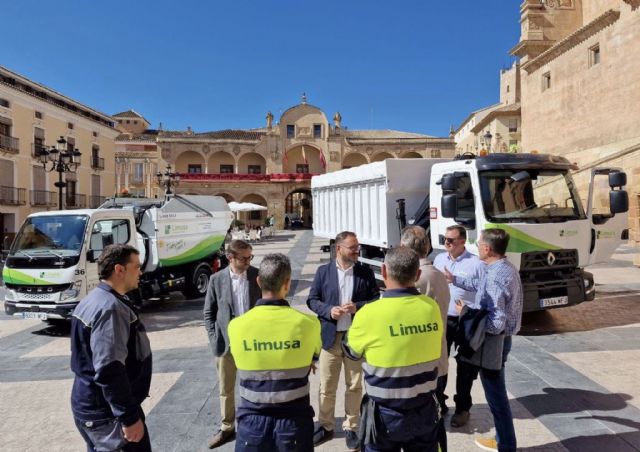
[{"x": 198, "y": 281}]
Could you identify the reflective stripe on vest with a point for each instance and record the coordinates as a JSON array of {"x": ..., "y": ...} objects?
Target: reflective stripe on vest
[
  {"x": 400, "y": 382},
  {"x": 283, "y": 374},
  {"x": 274, "y": 396}
]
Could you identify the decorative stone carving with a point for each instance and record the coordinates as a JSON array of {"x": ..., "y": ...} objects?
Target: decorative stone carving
[
  {"x": 559, "y": 4},
  {"x": 166, "y": 153},
  {"x": 236, "y": 150},
  {"x": 334, "y": 156},
  {"x": 206, "y": 149},
  {"x": 369, "y": 151},
  {"x": 304, "y": 131},
  {"x": 275, "y": 156}
]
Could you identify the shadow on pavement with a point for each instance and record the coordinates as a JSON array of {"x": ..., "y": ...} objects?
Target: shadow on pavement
[
  {"x": 570, "y": 400},
  {"x": 622, "y": 442}
]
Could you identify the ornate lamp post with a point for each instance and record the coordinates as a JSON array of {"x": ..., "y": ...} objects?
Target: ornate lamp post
[
  {"x": 62, "y": 161},
  {"x": 167, "y": 180},
  {"x": 487, "y": 140}
]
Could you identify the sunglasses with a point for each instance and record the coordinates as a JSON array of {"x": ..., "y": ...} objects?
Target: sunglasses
[{"x": 450, "y": 240}]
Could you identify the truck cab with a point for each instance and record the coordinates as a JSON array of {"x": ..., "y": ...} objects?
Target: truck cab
[
  {"x": 52, "y": 262},
  {"x": 533, "y": 198}
]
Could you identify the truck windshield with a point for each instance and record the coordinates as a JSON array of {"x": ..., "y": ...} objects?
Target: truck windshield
[
  {"x": 541, "y": 196},
  {"x": 60, "y": 235}
]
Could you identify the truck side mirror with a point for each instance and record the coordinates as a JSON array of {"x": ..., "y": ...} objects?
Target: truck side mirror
[
  {"x": 618, "y": 200},
  {"x": 449, "y": 205},
  {"x": 449, "y": 183},
  {"x": 93, "y": 255},
  {"x": 617, "y": 179}
]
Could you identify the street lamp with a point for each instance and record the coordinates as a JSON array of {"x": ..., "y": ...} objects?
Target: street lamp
[
  {"x": 487, "y": 140},
  {"x": 167, "y": 180},
  {"x": 62, "y": 161}
]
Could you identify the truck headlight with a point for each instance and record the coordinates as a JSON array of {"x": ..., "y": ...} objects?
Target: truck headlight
[
  {"x": 10, "y": 294},
  {"x": 71, "y": 292}
]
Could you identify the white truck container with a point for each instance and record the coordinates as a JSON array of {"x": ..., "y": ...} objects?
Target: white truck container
[
  {"x": 52, "y": 263},
  {"x": 531, "y": 196}
]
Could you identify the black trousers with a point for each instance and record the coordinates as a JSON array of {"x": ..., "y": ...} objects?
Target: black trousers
[
  {"x": 107, "y": 435},
  {"x": 465, "y": 375}
]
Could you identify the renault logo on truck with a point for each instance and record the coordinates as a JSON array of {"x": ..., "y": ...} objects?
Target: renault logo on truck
[{"x": 551, "y": 258}]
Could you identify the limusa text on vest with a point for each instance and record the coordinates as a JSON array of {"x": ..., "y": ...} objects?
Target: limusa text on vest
[
  {"x": 260, "y": 346},
  {"x": 405, "y": 330}
]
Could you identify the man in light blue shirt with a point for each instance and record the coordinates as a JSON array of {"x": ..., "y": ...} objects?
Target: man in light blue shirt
[
  {"x": 499, "y": 292},
  {"x": 460, "y": 262}
]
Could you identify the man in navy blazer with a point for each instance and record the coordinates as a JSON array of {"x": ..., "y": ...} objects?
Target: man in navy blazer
[{"x": 339, "y": 289}]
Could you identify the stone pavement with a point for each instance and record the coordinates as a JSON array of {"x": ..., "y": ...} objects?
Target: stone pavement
[{"x": 572, "y": 374}]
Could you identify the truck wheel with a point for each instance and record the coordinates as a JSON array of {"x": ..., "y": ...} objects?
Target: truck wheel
[{"x": 198, "y": 283}]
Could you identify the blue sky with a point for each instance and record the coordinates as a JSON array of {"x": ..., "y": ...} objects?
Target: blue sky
[{"x": 416, "y": 66}]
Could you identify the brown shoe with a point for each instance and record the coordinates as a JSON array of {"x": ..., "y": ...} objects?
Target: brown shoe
[
  {"x": 220, "y": 438},
  {"x": 459, "y": 418}
]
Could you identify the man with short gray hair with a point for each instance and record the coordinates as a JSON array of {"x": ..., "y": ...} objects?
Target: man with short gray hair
[
  {"x": 400, "y": 339},
  {"x": 274, "y": 347},
  {"x": 432, "y": 283}
]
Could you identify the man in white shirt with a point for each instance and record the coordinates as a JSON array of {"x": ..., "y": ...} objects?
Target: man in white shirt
[
  {"x": 460, "y": 262},
  {"x": 231, "y": 292},
  {"x": 339, "y": 288}
]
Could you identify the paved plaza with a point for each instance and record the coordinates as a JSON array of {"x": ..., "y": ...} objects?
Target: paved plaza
[{"x": 572, "y": 375}]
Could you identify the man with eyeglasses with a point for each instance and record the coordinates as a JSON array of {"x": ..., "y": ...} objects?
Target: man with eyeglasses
[
  {"x": 460, "y": 262},
  {"x": 339, "y": 289},
  {"x": 231, "y": 293}
]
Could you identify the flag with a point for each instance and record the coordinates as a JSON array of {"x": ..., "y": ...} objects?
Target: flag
[
  {"x": 304, "y": 156},
  {"x": 323, "y": 161}
]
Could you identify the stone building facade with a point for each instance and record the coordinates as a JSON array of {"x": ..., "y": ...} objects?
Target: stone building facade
[
  {"x": 32, "y": 118},
  {"x": 580, "y": 81},
  {"x": 272, "y": 166}
]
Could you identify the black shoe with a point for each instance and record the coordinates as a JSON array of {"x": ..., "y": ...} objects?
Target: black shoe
[
  {"x": 353, "y": 443},
  {"x": 459, "y": 418},
  {"x": 221, "y": 438},
  {"x": 321, "y": 435}
]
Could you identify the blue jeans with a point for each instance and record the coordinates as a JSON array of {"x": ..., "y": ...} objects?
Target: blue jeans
[
  {"x": 495, "y": 391},
  {"x": 258, "y": 433}
]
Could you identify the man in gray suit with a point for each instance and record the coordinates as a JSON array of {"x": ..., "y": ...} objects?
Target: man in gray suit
[{"x": 231, "y": 293}]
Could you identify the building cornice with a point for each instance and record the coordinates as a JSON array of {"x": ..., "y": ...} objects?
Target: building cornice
[
  {"x": 572, "y": 40},
  {"x": 399, "y": 141},
  {"x": 199, "y": 140},
  {"x": 44, "y": 94}
]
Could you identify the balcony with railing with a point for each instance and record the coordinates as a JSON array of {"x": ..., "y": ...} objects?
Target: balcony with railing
[
  {"x": 43, "y": 198},
  {"x": 9, "y": 144},
  {"x": 96, "y": 201},
  {"x": 97, "y": 163},
  {"x": 75, "y": 201},
  {"x": 233, "y": 177},
  {"x": 13, "y": 196}
]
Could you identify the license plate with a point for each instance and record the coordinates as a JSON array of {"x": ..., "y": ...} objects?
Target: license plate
[
  {"x": 35, "y": 315},
  {"x": 554, "y": 301}
]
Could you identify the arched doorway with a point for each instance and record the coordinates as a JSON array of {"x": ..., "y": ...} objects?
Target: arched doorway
[
  {"x": 411, "y": 155},
  {"x": 380, "y": 156},
  {"x": 354, "y": 159},
  {"x": 298, "y": 207},
  {"x": 256, "y": 217}
]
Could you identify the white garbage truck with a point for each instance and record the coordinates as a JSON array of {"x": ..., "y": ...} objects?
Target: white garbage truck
[
  {"x": 531, "y": 196},
  {"x": 51, "y": 264}
]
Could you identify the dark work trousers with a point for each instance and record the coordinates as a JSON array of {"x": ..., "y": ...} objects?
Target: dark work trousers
[
  {"x": 465, "y": 373},
  {"x": 413, "y": 430},
  {"x": 257, "y": 433},
  {"x": 106, "y": 435}
]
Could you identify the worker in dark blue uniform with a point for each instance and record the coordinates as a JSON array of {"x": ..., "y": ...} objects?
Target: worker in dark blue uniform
[
  {"x": 274, "y": 347},
  {"x": 399, "y": 337}
]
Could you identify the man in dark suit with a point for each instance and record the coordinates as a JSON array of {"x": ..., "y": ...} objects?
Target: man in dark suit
[
  {"x": 231, "y": 293},
  {"x": 338, "y": 290}
]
